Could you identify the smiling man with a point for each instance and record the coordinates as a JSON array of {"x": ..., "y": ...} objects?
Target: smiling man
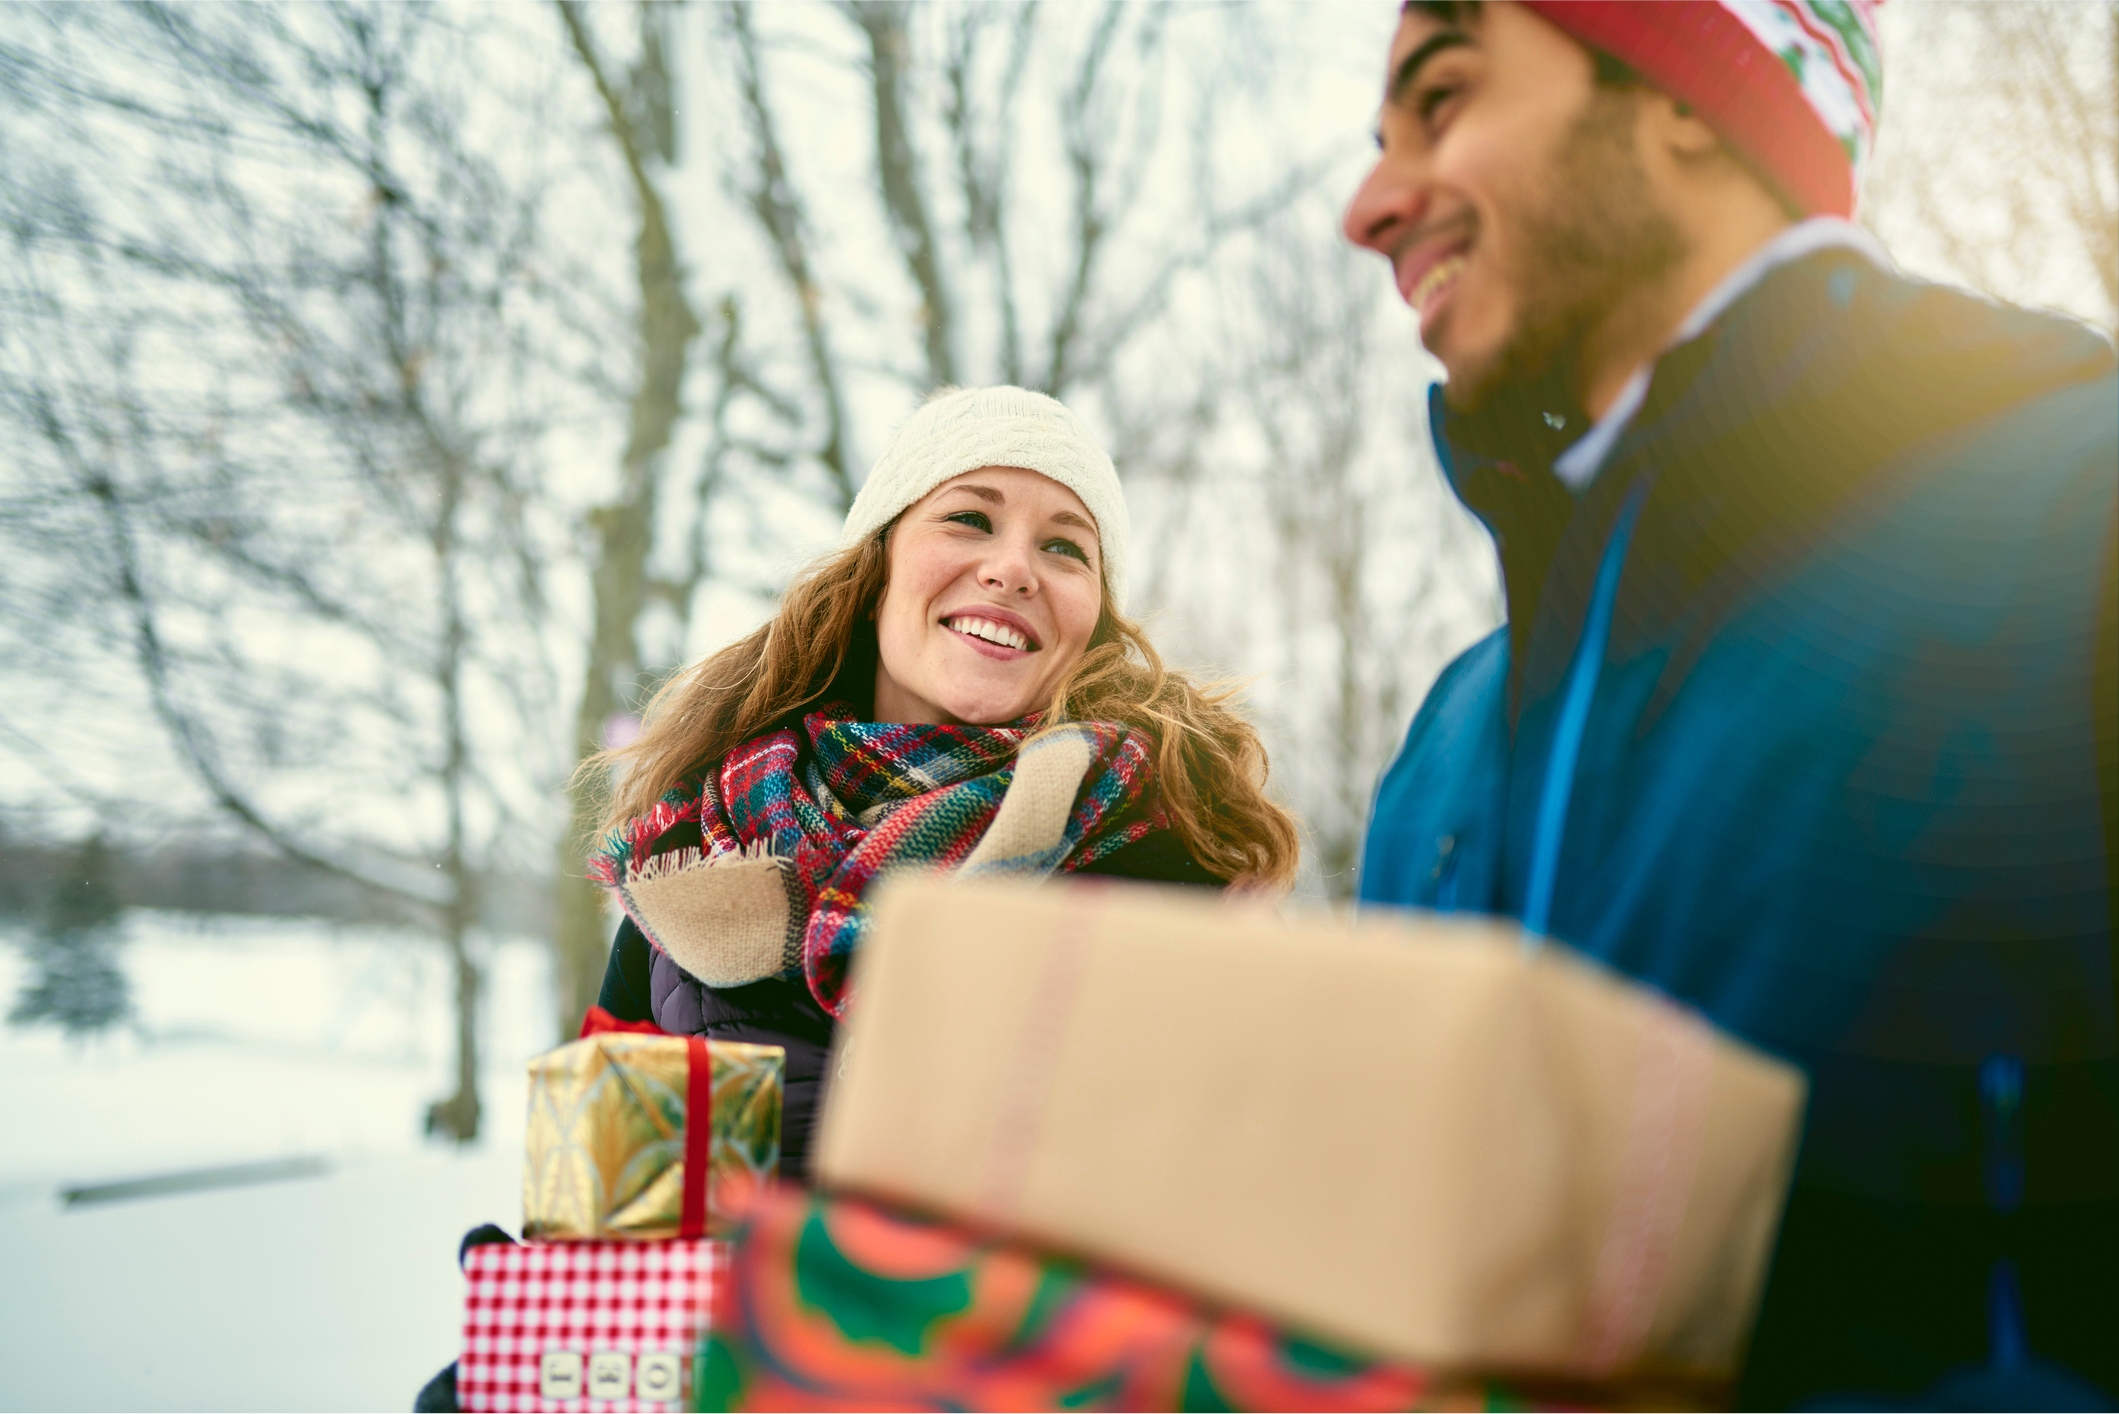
[{"x": 1805, "y": 709}]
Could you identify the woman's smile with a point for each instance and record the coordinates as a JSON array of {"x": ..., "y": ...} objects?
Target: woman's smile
[{"x": 993, "y": 632}]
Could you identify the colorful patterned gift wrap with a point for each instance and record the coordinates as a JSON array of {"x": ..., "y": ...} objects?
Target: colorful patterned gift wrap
[
  {"x": 833, "y": 1303},
  {"x": 611, "y": 1153},
  {"x": 583, "y": 1325}
]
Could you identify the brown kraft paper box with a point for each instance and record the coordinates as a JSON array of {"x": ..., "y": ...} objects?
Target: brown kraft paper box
[{"x": 1412, "y": 1133}]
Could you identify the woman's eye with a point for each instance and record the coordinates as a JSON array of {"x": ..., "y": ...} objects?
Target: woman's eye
[
  {"x": 1068, "y": 547},
  {"x": 977, "y": 520}
]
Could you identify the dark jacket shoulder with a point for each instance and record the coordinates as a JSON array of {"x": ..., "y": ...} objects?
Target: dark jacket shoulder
[{"x": 1157, "y": 858}]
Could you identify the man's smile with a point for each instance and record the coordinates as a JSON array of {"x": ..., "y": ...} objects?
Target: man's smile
[
  {"x": 1439, "y": 275},
  {"x": 1428, "y": 265}
]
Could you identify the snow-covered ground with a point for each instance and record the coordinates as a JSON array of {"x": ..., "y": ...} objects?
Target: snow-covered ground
[{"x": 256, "y": 1040}]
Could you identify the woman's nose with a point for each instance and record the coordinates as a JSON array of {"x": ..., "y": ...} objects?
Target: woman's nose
[{"x": 1010, "y": 567}]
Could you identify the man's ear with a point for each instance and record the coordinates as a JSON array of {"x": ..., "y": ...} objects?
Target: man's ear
[{"x": 1674, "y": 128}]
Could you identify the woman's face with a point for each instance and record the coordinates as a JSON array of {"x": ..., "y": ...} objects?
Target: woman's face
[{"x": 995, "y": 585}]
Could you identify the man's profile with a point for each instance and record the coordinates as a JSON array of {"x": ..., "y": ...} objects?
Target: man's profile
[{"x": 1804, "y": 711}]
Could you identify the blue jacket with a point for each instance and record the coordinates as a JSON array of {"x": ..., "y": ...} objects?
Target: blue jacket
[{"x": 1803, "y": 716}]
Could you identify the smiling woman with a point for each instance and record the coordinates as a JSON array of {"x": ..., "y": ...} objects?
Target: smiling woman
[{"x": 956, "y": 687}]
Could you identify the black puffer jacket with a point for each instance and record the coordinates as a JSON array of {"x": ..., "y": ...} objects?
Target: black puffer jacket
[{"x": 641, "y": 984}]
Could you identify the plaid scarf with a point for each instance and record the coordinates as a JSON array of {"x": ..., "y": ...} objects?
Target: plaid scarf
[{"x": 839, "y": 802}]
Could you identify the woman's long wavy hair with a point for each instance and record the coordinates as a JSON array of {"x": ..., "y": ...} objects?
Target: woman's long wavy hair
[{"x": 1210, "y": 764}]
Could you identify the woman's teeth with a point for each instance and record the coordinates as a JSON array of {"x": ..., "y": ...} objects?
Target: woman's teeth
[
  {"x": 991, "y": 632},
  {"x": 1438, "y": 275}
]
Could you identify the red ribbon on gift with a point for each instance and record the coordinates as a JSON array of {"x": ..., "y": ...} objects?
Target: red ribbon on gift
[
  {"x": 596, "y": 1020},
  {"x": 698, "y": 1139},
  {"x": 698, "y": 1113}
]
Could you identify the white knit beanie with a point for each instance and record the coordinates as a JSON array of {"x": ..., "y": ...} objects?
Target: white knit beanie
[{"x": 962, "y": 429}]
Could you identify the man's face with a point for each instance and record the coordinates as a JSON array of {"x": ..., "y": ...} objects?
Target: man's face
[{"x": 1509, "y": 197}]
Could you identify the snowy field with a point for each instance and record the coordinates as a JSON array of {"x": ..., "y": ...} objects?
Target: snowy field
[{"x": 256, "y": 1041}]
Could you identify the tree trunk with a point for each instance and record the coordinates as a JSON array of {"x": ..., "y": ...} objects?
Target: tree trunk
[
  {"x": 624, "y": 530},
  {"x": 457, "y": 1117},
  {"x": 889, "y": 46}
]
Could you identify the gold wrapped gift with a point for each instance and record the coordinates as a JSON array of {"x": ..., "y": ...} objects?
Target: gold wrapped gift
[{"x": 607, "y": 1136}]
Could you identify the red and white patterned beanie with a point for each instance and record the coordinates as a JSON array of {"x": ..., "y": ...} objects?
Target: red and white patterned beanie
[{"x": 1793, "y": 85}]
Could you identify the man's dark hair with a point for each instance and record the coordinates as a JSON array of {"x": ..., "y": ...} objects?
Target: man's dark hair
[{"x": 1463, "y": 14}]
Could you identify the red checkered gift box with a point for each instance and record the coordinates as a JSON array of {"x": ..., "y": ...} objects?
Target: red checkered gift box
[{"x": 583, "y": 1325}]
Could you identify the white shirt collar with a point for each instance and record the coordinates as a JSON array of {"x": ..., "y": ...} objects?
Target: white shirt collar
[{"x": 1577, "y": 466}]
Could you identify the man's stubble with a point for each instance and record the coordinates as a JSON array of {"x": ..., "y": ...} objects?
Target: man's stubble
[{"x": 1596, "y": 235}]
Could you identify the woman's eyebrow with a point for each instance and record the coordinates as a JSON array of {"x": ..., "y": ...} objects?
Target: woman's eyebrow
[{"x": 993, "y": 497}]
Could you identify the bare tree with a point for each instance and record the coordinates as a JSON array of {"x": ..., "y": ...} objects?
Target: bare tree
[
  {"x": 1307, "y": 390},
  {"x": 1316, "y": 539},
  {"x": 282, "y": 372},
  {"x": 1998, "y": 154},
  {"x": 971, "y": 164},
  {"x": 75, "y": 981},
  {"x": 890, "y": 58},
  {"x": 640, "y": 120},
  {"x": 775, "y": 201}
]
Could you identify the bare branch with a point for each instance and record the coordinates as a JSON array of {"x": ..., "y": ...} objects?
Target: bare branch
[
  {"x": 1085, "y": 164},
  {"x": 1148, "y": 301},
  {"x": 982, "y": 177},
  {"x": 898, "y": 167},
  {"x": 190, "y": 738},
  {"x": 778, "y": 207}
]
